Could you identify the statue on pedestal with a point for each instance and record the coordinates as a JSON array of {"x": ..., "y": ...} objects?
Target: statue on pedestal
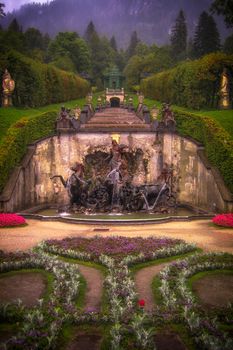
[
  {"x": 140, "y": 98},
  {"x": 8, "y": 86},
  {"x": 224, "y": 102}
]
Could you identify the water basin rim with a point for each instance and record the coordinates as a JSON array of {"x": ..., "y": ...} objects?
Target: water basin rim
[{"x": 117, "y": 220}]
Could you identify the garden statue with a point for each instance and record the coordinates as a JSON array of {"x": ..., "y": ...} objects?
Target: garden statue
[
  {"x": 168, "y": 116},
  {"x": 224, "y": 102},
  {"x": 140, "y": 98},
  {"x": 154, "y": 112},
  {"x": 68, "y": 119},
  {"x": 77, "y": 112},
  {"x": 8, "y": 86},
  {"x": 89, "y": 98}
]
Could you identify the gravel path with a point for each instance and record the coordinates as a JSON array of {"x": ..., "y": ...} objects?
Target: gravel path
[
  {"x": 201, "y": 232},
  {"x": 94, "y": 280},
  {"x": 143, "y": 281}
]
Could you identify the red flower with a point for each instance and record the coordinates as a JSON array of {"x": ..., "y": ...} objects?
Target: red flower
[
  {"x": 141, "y": 302},
  {"x": 225, "y": 220},
  {"x": 8, "y": 220}
]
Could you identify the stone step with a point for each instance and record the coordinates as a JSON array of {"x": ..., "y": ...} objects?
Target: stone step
[
  {"x": 114, "y": 121},
  {"x": 118, "y": 126}
]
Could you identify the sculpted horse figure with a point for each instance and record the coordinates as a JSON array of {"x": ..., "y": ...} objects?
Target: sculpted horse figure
[{"x": 76, "y": 186}]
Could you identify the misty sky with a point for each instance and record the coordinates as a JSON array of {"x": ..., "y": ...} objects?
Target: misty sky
[{"x": 15, "y": 4}]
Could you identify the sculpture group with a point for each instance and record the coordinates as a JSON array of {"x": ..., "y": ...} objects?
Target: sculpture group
[{"x": 114, "y": 191}]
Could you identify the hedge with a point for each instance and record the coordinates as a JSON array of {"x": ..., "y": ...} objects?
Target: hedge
[
  {"x": 14, "y": 145},
  {"x": 217, "y": 142},
  {"x": 193, "y": 84},
  {"x": 39, "y": 84}
]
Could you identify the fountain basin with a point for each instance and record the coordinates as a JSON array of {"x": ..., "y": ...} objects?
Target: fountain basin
[{"x": 182, "y": 213}]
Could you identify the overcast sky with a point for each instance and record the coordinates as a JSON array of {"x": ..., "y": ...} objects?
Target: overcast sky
[{"x": 15, "y": 4}]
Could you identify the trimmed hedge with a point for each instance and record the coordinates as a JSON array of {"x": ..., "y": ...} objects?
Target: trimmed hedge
[
  {"x": 217, "y": 142},
  {"x": 14, "y": 145},
  {"x": 39, "y": 84},
  {"x": 192, "y": 84}
]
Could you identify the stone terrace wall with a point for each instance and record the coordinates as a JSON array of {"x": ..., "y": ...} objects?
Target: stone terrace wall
[{"x": 197, "y": 183}]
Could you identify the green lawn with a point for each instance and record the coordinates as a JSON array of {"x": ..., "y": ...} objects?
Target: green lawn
[
  {"x": 8, "y": 116},
  {"x": 223, "y": 117}
]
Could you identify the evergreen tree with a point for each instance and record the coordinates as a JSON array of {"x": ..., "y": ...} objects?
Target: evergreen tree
[
  {"x": 91, "y": 34},
  {"x": 206, "y": 37},
  {"x": 14, "y": 26},
  {"x": 132, "y": 45},
  {"x": 2, "y": 13},
  {"x": 225, "y": 8},
  {"x": 179, "y": 37},
  {"x": 228, "y": 45},
  {"x": 113, "y": 43}
]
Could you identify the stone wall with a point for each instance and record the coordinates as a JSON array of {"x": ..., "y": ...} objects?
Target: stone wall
[{"x": 196, "y": 183}]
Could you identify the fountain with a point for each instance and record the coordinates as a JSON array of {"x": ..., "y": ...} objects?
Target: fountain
[{"x": 107, "y": 183}]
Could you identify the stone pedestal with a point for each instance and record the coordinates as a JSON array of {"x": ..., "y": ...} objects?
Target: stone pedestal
[{"x": 7, "y": 100}]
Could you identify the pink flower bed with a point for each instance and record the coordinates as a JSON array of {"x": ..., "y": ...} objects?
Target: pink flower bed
[
  {"x": 8, "y": 220},
  {"x": 225, "y": 220}
]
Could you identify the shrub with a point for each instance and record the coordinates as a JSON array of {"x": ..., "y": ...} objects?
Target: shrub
[
  {"x": 225, "y": 220},
  {"x": 14, "y": 145},
  {"x": 192, "y": 84},
  {"x": 217, "y": 142},
  {"x": 9, "y": 220},
  {"x": 39, "y": 84}
]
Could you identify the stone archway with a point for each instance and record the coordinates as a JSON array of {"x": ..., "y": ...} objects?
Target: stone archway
[{"x": 115, "y": 102}]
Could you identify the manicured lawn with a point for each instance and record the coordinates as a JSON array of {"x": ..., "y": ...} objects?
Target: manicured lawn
[
  {"x": 8, "y": 116},
  {"x": 223, "y": 117}
]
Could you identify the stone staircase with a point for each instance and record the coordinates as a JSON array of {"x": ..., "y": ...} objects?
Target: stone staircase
[{"x": 115, "y": 119}]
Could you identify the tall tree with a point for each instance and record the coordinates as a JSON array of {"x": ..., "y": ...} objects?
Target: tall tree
[
  {"x": 113, "y": 43},
  {"x": 91, "y": 35},
  {"x": 225, "y": 8},
  {"x": 134, "y": 41},
  {"x": 14, "y": 26},
  {"x": 2, "y": 13},
  {"x": 206, "y": 37},
  {"x": 228, "y": 45},
  {"x": 68, "y": 49},
  {"x": 179, "y": 37}
]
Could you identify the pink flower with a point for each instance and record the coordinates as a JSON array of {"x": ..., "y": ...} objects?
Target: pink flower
[
  {"x": 225, "y": 220},
  {"x": 8, "y": 220}
]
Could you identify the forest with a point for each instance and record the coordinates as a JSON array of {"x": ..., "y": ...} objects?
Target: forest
[{"x": 91, "y": 54}]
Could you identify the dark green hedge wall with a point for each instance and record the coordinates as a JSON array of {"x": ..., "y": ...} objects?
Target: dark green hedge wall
[
  {"x": 14, "y": 145},
  {"x": 39, "y": 84},
  {"x": 217, "y": 142},
  {"x": 192, "y": 84}
]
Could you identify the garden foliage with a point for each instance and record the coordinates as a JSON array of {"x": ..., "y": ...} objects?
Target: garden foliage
[
  {"x": 14, "y": 145},
  {"x": 193, "y": 84},
  {"x": 39, "y": 84},
  {"x": 217, "y": 142}
]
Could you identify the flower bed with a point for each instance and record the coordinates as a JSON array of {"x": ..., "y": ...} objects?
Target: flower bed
[
  {"x": 225, "y": 220},
  {"x": 116, "y": 247},
  {"x": 11, "y": 220},
  {"x": 130, "y": 325},
  {"x": 180, "y": 302}
]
